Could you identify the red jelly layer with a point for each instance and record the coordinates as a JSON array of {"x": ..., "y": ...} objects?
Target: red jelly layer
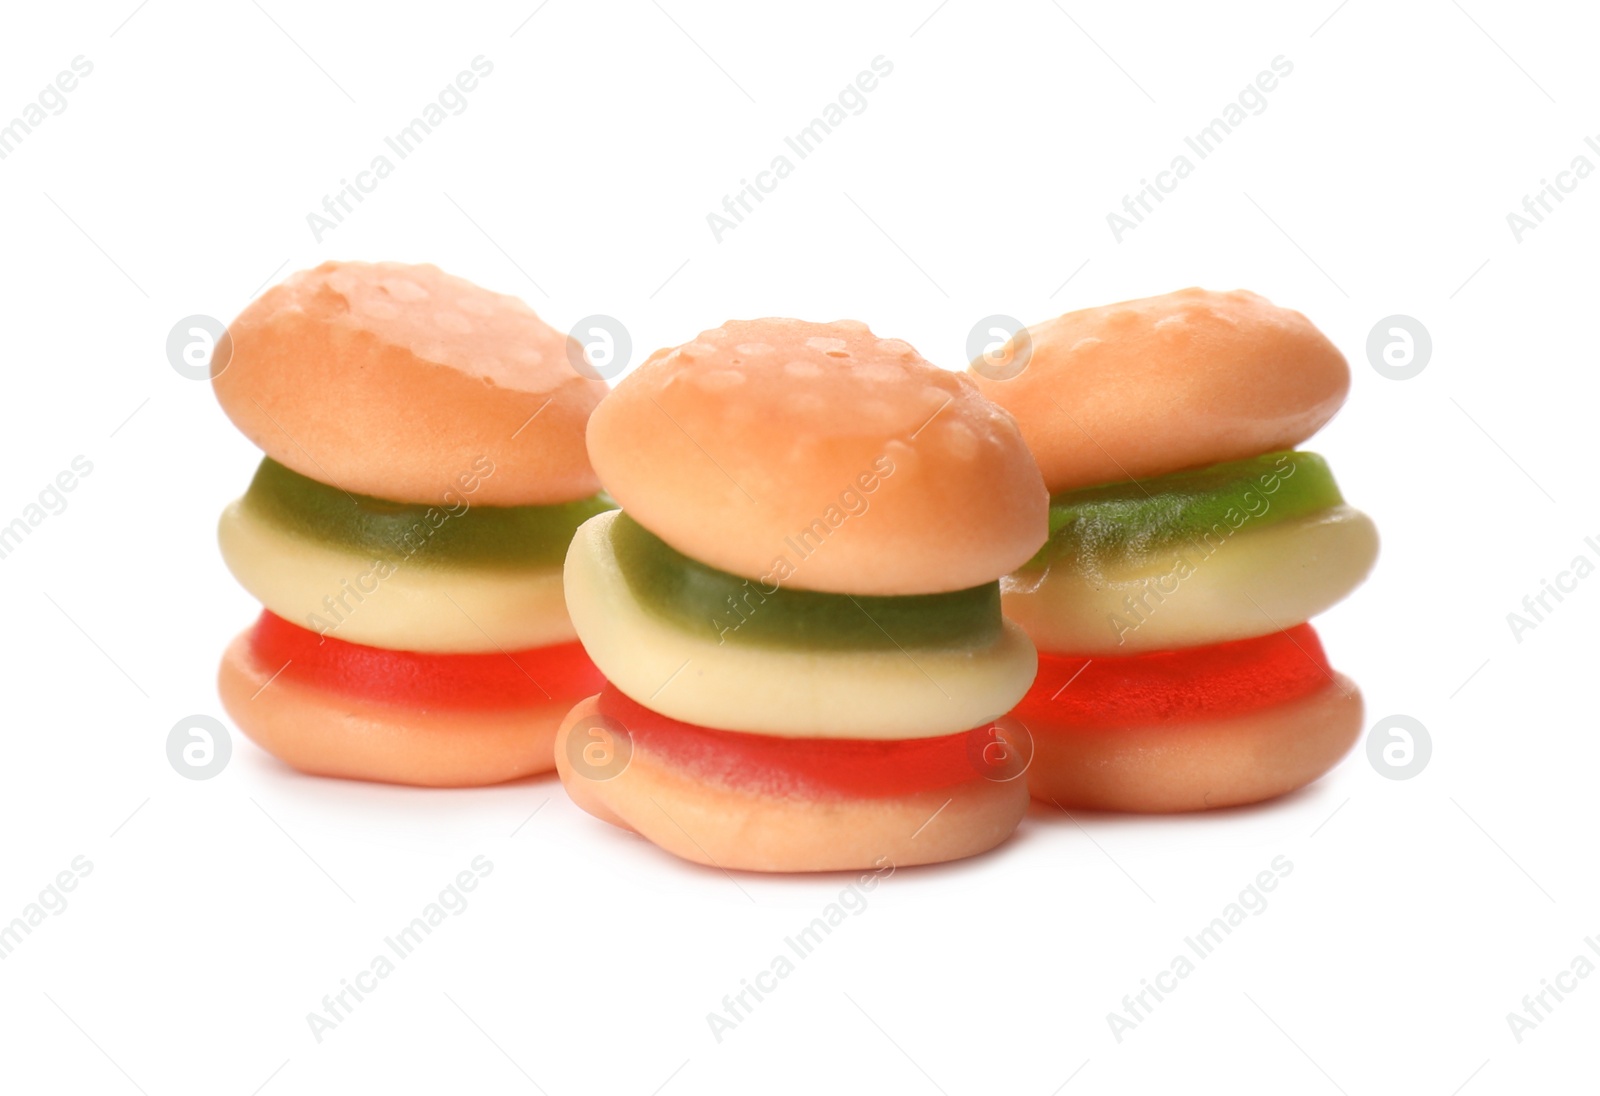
[
  {"x": 813, "y": 768},
  {"x": 492, "y": 680},
  {"x": 1166, "y": 686}
]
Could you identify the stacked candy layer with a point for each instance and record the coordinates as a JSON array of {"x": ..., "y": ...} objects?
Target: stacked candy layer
[
  {"x": 424, "y": 473},
  {"x": 1190, "y": 542},
  {"x": 798, "y": 607}
]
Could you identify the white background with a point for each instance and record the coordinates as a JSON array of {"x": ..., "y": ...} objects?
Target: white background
[{"x": 1377, "y": 181}]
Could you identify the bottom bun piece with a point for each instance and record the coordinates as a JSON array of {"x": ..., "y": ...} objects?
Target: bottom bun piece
[
  {"x": 337, "y": 709},
  {"x": 1189, "y": 730},
  {"x": 749, "y": 802}
]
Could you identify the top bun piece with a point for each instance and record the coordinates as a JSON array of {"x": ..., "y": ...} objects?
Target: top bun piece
[
  {"x": 1184, "y": 380},
  {"x": 393, "y": 380},
  {"x": 764, "y": 437}
]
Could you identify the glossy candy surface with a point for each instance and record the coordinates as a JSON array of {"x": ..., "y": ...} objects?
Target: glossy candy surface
[
  {"x": 689, "y": 795},
  {"x": 1188, "y": 730},
  {"x": 1167, "y": 686},
  {"x": 694, "y": 674},
  {"x": 342, "y": 710},
  {"x": 1191, "y": 559},
  {"x": 396, "y": 602},
  {"x": 499, "y": 679},
  {"x": 812, "y": 768},
  {"x": 822, "y": 455},
  {"x": 453, "y": 533},
  {"x": 395, "y": 380},
  {"x": 1145, "y": 387},
  {"x": 1122, "y": 524},
  {"x": 693, "y": 596},
  {"x": 440, "y": 578}
]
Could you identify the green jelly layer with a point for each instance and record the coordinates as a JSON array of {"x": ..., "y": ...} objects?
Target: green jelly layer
[
  {"x": 458, "y": 534},
  {"x": 1126, "y": 523},
  {"x": 695, "y": 597}
]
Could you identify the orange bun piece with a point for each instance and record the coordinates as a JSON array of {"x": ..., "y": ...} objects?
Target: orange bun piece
[
  {"x": 1150, "y": 386},
  {"x": 391, "y": 380},
  {"x": 761, "y": 803},
  {"x": 764, "y": 432},
  {"x": 1188, "y": 730},
  {"x": 333, "y": 708}
]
